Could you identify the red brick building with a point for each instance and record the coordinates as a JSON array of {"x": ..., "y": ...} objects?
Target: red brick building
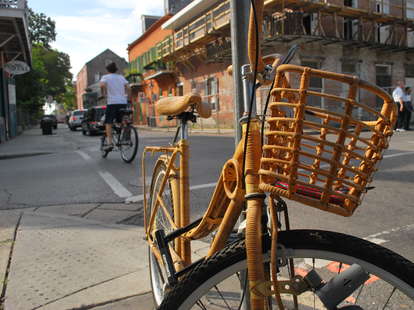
[
  {"x": 87, "y": 80},
  {"x": 150, "y": 78},
  {"x": 372, "y": 39}
]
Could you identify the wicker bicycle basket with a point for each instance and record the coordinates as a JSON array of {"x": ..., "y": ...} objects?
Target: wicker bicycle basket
[{"x": 317, "y": 150}]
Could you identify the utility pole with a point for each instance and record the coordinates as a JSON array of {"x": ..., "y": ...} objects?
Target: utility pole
[{"x": 239, "y": 28}]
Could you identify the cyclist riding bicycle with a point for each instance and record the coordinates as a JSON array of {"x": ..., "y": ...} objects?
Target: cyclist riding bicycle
[{"x": 115, "y": 88}]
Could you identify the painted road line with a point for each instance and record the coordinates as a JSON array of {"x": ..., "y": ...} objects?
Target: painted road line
[
  {"x": 375, "y": 237},
  {"x": 115, "y": 185},
  {"x": 208, "y": 185},
  {"x": 139, "y": 198},
  {"x": 84, "y": 155},
  {"x": 376, "y": 240},
  {"x": 398, "y": 154}
]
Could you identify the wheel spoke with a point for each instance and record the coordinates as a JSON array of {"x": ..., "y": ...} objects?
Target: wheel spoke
[
  {"x": 166, "y": 212},
  {"x": 201, "y": 305},
  {"x": 389, "y": 298},
  {"x": 222, "y": 297},
  {"x": 212, "y": 286}
]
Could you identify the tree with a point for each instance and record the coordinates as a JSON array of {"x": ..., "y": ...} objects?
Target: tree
[
  {"x": 68, "y": 98},
  {"x": 50, "y": 73},
  {"x": 50, "y": 76},
  {"x": 42, "y": 29}
]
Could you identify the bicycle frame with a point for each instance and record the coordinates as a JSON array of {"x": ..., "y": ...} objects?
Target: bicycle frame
[
  {"x": 233, "y": 193},
  {"x": 227, "y": 201}
]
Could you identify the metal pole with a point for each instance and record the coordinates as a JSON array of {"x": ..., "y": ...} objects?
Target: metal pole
[{"x": 239, "y": 29}]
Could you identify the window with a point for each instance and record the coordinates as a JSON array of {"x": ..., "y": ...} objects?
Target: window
[
  {"x": 351, "y": 3},
  {"x": 383, "y": 77},
  {"x": 97, "y": 77},
  {"x": 212, "y": 92},
  {"x": 383, "y": 6},
  {"x": 410, "y": 9},
  {"x": 350, "y": 28},
  {"x": 350, "y": 67},
  {"x": 409, "y": 70},
  {"x": 315, "y": 84}
]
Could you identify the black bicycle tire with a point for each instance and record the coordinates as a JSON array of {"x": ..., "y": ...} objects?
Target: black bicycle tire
[
  {"x": 342, "y": 244},
  {"x": 129, "y": 160},
  {"x": 160, "y": 167}
]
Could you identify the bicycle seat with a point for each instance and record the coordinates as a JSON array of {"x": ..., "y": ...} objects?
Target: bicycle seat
[{"x": 171, "y": 106}]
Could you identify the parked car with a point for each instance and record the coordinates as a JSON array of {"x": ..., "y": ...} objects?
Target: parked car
[
  {"x": 93, "y": 121},
  {"x": 49, "y": 118},
  {"x": 75, "y": 119}
]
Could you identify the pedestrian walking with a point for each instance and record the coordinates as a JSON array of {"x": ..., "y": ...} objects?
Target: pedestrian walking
[
  {"x": 408, "y": 107},
  {"x": 398, "y": 96}
]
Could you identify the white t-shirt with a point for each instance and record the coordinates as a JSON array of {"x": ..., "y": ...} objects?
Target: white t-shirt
[
  {"x": 406, "y": 98},
  {"x": 115, "y": 85},
  {"x": 397, "y": 94}
]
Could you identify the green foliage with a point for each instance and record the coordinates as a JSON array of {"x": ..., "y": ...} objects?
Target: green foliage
[
  {"x": 42, "y": 29},
  {"x": 50, "y": 73},
  {"x": 68, "y": 98},
  {"x": 50, "y": 76}
]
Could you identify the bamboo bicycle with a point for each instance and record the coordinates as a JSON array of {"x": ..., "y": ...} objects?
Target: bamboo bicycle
[{"x": 271, "y": 266}]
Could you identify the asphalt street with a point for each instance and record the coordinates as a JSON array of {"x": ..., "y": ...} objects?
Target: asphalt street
[
  {"x": 73, "y": 172},
  {"x": 67, "y": 169}
]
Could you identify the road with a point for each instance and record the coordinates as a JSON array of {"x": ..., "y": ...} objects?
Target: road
[{"x": 68, "y": 169}]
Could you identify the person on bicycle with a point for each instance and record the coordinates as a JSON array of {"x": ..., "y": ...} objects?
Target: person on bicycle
[{"x": 115, "y": 88}]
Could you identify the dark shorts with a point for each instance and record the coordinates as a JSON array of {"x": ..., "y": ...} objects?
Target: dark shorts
[{"x": 112, "y": 113}]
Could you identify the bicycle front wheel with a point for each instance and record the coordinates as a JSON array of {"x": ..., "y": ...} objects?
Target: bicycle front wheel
[
  {"x": 164, "y": 219},
  {"x": 216, "y": 283},
  {"x": 128, "y": 144}
]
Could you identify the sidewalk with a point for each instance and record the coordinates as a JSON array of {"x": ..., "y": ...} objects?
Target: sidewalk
[
  {"x": 74, "y": 257},
  {"x": 30, "y": 143}
]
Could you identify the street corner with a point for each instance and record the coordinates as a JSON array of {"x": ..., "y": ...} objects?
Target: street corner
[{"x": 66, "y": 262}]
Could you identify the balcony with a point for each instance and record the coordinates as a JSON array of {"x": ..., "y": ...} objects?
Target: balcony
[
  {"x": 159, "y": 69},
  {"x": 214, "y": 23},
  {"x": 329, "y": 24},
  {"x": 14, "y": 35},
  {"x": 135, "y": 81}
]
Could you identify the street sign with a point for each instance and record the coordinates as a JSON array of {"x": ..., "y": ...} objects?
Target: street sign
[{"x": 16, "y": 67}]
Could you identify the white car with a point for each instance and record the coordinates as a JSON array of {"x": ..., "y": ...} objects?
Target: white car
[{"x": 75, "y": 119}]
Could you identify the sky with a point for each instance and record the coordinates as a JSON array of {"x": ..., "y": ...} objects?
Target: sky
[{"x": 86, "y": 28}]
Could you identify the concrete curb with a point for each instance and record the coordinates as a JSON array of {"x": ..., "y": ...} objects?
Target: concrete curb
[{"x": 19, "y": 155}]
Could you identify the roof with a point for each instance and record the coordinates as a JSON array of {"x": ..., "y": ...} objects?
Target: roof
[
  {"x": 105, "y": 51},
  {"x": 154, "y": 26}
]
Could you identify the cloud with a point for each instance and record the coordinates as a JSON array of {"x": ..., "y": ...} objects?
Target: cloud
[
  {"x": 141, "y": 6},
  {"x": 112, "y": 24}
]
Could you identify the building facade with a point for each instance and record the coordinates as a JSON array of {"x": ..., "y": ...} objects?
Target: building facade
[
  {"x": 372, "y": 39},
  {"x": 14, "y": 46},
  {"x": 87, "y": 80},
  {"x": 150, "y": 79}
]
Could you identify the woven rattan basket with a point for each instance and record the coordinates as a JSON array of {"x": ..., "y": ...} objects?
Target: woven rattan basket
[{"x": 317, "y": 150}]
